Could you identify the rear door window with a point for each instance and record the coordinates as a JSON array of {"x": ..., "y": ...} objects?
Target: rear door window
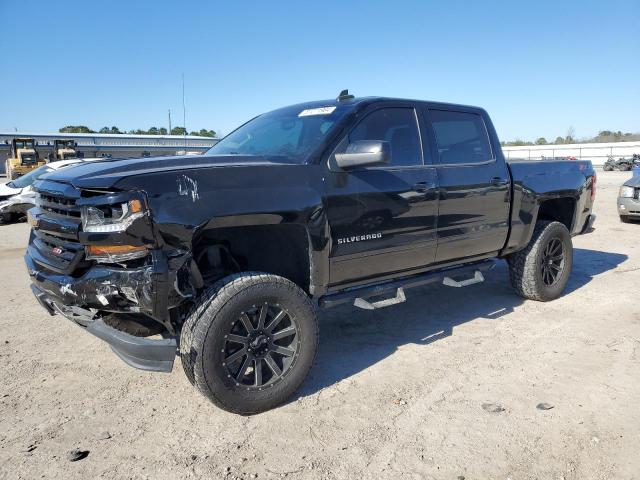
[{"x": 461, "y": 137}]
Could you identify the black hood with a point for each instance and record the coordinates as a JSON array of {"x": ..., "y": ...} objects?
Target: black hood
[{"x": 106, "y": 173}]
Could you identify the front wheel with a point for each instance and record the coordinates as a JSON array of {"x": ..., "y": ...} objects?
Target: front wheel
[
  {"x": 541, "y": 271},
  {"x": 249, "y": 342}
]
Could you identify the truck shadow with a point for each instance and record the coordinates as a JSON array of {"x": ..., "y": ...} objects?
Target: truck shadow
[{"x": 351, "y": 339}]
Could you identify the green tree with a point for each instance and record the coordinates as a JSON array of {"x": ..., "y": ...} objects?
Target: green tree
[
  {"x": 76, "y": 129},
  {"x": 541, "y": 141},
  {"x": 178, "y": 131},
  {"x": 559, "y": 141},
  {"x": 153, "y": 131},
  {"x": 162, "y": 131},
  {"x": 206, "y": 133}
]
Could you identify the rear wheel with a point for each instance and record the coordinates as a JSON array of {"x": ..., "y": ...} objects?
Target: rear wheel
[
  {"x": 541, "y": 271},
  {"x": 249, "y": 342}
]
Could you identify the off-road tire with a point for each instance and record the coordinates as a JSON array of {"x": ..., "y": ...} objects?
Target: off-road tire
[
  {"x": 625, "y": 219},
  {"x": 202, "y": 340},
  {"x": 525, "y": 266}
]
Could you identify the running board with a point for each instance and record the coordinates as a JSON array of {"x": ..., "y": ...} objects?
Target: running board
[
  {"x": 477, "y": 278},
  {"x": 359, "y": 295},
  {"x": 366, "y": 305}
]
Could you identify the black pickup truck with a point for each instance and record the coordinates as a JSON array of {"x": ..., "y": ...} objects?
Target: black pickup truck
[{"x": 223, "y": 258}]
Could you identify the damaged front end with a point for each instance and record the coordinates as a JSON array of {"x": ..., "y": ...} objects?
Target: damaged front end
[
  {"x": 92, "y": 257},
  {"x": 15, "y": 206}
]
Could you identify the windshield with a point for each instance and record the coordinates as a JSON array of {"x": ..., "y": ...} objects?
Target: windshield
[
  {"x": 29, "y": 178},
  {"x": 288, "y": 135}
]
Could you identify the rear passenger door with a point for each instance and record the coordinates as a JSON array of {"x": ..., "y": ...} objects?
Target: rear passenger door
[
  {"x": 474, "y": 185},
  {"x": 383, "y": 218}
]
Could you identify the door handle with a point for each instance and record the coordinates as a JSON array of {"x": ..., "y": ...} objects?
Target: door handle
[
  {"x": 423, "y": 187},
  {"x": 499, "y": 181}
]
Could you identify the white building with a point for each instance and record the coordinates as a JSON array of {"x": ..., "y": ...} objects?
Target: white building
[{"x": 596, "y": 152}]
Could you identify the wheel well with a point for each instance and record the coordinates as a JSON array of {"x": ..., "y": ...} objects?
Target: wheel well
[
  {"x": 277, "y": 249},
  {"x": 558, "y": 209}
]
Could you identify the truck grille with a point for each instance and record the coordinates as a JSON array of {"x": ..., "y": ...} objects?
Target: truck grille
[
  {"x": 54, "y": 242},
  {"x": 59, "y": 205}
]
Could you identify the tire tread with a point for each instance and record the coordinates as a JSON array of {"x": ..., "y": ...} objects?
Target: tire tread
[
  {"x": 212, "y": 300},
  {"x": 523, "y": 264}
]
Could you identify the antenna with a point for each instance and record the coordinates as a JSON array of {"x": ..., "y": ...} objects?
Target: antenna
[
  {"x": 184, "y": 114},
  {"x": 344, "y": 95}
]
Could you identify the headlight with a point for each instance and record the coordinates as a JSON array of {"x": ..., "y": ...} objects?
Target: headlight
[
  {"x": 111, "y": 218},
  {"x": 626, "y": 192}
]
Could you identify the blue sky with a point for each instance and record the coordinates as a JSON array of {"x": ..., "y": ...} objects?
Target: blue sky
[{"x": 537, "y": 67}]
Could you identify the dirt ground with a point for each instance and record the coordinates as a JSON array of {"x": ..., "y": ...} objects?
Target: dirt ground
[{"x": 397, "y": 393}]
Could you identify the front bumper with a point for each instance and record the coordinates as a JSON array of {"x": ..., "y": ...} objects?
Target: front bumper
[
  {"x": 149, "y": 289},
  {"x": 629, "y": 207},
  {"x": 156, "y": 355},
  {"x": 131, "y": 290}
]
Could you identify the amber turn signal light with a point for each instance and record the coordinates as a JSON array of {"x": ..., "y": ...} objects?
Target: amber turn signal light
[
  {"x": 113, "y": 249},
  {"x": 115, "y": 253},
  {"x": 135, "y": 206}
]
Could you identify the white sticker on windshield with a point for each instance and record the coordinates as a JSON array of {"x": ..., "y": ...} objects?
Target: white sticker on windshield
[{"x": 317, "y": 111}]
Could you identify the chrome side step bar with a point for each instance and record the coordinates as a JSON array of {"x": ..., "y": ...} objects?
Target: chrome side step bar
[
  {"x": 477, "y": 278},
  {"x": 360, "y": 296},
  {"x": 366, "y": 305}
]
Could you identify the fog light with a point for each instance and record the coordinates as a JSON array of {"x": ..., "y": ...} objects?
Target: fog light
[{"x": 115, "y": 253}]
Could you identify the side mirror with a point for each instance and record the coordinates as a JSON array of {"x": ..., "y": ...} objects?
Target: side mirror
[{"x": 364, "y": 153}]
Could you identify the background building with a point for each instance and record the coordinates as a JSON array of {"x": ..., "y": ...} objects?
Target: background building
[
  {"x": 596, "y": 152},
  {"x": 115, "y": 145}
]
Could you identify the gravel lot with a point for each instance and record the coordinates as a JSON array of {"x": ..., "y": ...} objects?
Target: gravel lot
[{"x": 443, "y": 386}]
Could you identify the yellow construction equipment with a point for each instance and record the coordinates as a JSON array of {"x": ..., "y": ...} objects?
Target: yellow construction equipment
[
  {"x": 23, "y": 158},
  {"x": 64, "y": 150}
]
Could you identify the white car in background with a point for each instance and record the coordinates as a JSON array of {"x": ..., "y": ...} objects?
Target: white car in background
[{"x": 17, "y": 196}]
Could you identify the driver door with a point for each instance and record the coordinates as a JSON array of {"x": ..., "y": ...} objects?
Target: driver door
[{"x": 383, "y": 218}]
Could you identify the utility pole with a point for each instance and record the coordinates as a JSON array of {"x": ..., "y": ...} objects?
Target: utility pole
[
  {"x": 169, "y": 121},
  {"x": 184, "y": 115}
]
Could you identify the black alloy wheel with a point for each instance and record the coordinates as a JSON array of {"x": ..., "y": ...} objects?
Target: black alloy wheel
[
  {"x": 261, "y": 346},
  {"x": 552, "y": 263}
]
